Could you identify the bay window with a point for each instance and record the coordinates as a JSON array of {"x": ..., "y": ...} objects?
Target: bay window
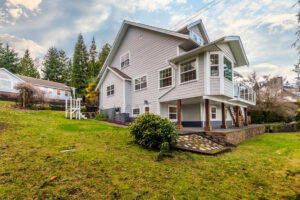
[
  {"x": 214, "y": 65},
  {"x": 227, "y": 69}
]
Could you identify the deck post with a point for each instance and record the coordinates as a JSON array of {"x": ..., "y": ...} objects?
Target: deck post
[
  {"x": 246, "y": 116},
  {"x": 179, "y": 122},
  {"x": 207, "y": 116},
  {"x": 223, "y": 116},
  {"x": 237, "y": 117}
]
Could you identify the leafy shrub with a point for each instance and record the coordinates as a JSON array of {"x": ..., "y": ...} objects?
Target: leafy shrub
[
  {"x": 101, "y": 116},
  {"x": 260, "y": 117},
  {"x": 154, "y": 132}
]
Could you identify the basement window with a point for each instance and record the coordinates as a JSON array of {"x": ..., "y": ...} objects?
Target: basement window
[{"x": 136, "y": 112}]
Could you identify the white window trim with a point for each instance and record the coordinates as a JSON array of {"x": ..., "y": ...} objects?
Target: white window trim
[
  {"x": 173, "y": 73},
  {"x": 144, "y": 107},
  {"x": 212, "y": 113},
  {"x": 220, "y": 64},
  {"x": 138, "y": 78},
  {"x": 197, "y": 70},
  {"x": 114, "y": 90},
  {"x": 129, "y": 56},
  {"x": 170, "y": 106},
  {"x": 134, "y": 115}
]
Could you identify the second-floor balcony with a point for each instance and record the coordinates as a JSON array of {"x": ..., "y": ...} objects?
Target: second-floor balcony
[{"x": 244, "y": 93}]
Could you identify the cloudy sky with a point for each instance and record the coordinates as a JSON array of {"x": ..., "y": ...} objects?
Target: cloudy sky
[{"x": 267, "y": 27}]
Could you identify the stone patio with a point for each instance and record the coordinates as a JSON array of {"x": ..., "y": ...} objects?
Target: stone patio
[{"x": 199, "y": 144}]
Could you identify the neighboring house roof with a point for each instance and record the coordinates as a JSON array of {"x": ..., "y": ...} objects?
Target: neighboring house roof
[
  {"x": 235, "y": 45},
  {"x": 10, "y": 73},
  {"x": 120, "y": 73},
  {"x": 45, "y": 83},
  {"x": 126, "y": 24}
]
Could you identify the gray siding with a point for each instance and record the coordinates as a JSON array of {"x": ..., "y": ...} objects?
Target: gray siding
[
  {"x": 191, "y": 112},
  {"x": 188, "y": 90},
  {"x": 228, "y": 88},
  {"x": 127, "y": 96},
  {"x": 214, "y": 85},
  {"x": 115, "y": 100},
  {"x": 149, "y": 52}
]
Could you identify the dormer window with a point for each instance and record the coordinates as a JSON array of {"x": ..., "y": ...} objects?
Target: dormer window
[
  {"x": 124, "y": 59},
  {"x": 196, "y": 38}
]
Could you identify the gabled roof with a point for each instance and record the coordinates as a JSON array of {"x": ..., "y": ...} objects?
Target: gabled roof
[
  {"x": 115, "y": 71},
  {"x": 200, "y": 26},
  {"x": 45, "y": 83},
  {"x": 10, "y": 73},
  {"x": 234, "y": 43},
  {"x": 126, "y": 24},
  {"x": 120, "y": 73}
]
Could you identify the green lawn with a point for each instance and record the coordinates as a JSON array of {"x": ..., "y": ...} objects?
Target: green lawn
[{"x": 107, "y": 165}]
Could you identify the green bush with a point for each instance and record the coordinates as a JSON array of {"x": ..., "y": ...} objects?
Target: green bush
[
  {"x": 101, "y": 116},
  {"x": 260, "y": 117},
  {"x": 154, "y": 132}
]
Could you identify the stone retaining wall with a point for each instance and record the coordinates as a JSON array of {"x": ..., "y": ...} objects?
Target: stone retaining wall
[{"x": 239, "y": 135}]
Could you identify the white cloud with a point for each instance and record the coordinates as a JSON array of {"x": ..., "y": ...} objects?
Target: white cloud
[
  {"x": 146, "y": 5},
  {"x": 29, "y": 4},
  {"x": 175, "y": 19},
  {"x": 15, "y": 12},
  {"x": 21, "y": 44},
  {"x": 181, "y": 1}
]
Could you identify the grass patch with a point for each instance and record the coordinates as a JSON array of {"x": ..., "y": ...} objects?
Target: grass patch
[{"x": 106, "y": 164}]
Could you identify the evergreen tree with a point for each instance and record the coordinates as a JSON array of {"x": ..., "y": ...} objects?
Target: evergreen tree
[
  {"x": 8, "y": 58},
  {"x": 102, "y": 57},
  {"x": 26, "y": 66},
  {"x": 80, "y": 67},
  {"x": 92, "y": 59}
]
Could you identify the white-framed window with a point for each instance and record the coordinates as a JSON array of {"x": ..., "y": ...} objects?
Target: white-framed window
[
  {"x": 5, "y": 82},
  {"x": 50, "y": 91},
  {"x": 188, "y": 71},
  {"x": 110, "y": 90},
  {"x": 165, "y": 77},
  {"x": 227, "y": 69},
  {"x": 214, "y": 64},
  {"x": 196, "y": 38},
  {"x": 136, "y": 112},
  {"x": 66, "y": 93},
  {"x": 58, "y": 92},
  {"x": 172, "y": 113},
  {"x": 213, "y": 112},
  {"x": 140, "y": 83},
  {"x": 124, "y": 59}
]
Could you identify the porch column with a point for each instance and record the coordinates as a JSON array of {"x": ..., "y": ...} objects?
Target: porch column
[
  {"x": 223, "y": 116},
  {"x": 237, "y": 118},
  {"x": 246, "y": 116},
  {"x": 179, "y": 122},
  {"x": 207, "y": 116}
]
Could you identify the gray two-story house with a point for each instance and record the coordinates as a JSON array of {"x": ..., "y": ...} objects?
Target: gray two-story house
[{"x": 181, "y": 75}]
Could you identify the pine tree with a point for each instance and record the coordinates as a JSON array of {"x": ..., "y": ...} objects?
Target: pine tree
[
  {"x": 80, "y": 67},
  {"x": 26, "y": 66},
  {"x": 92, "y": 59},
  {"x": 102, "y": 57},
  {"x": 52, "y": 65},
  {"x": 8, "y": 58}
]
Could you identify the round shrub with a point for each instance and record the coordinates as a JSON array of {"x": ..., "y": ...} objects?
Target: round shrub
[{"x": 154, "y": 132}]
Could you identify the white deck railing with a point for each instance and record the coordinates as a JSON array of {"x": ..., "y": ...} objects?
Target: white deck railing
[{"x": 242, "y": 92}]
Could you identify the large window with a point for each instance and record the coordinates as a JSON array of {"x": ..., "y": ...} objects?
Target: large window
[
  {"x": 227, "y": 69},
  {"x": 165, "y": 78},
  {"x": 58, "y": 92},
  {"x": 213, "y": 110},
  {"x": 173, "y": 113},
  {"x": 66, "y": 93},
  {"x": 214, "y": 65},
  {"x": 140, "y": 83},
  {"x": 110, "y": 90},
  {"x": 124, "y": 59},
  {"x": 5, "y": 82},
  {"x": 188, "y": 71}
]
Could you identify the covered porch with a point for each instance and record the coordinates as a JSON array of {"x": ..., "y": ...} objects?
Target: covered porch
[{"x": 207, "y": 113}]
